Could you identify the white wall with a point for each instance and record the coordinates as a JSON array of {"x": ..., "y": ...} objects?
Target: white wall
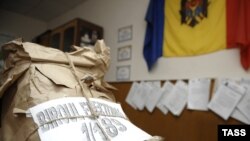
[
  {"x": 114, "y": 14},
  {"x": 17, "y": 25}
]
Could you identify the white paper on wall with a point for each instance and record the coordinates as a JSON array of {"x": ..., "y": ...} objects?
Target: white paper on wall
[
  {"x": 131, "y": 94},
  {"x": 244, "y": 104},
  {"x": 166, "y": 89},
  {"x": 177, "y": 99},
  {"x": 153, "y": 96},
  {"x": 237, "y": 114},
  {"x": 245, "y": 81},
  {"x": 225, "y": 100},
  {"x": 223, "y": 81},
  {"x": 237, "y": 87},
  {"x": 139, "y": 98},
  {"x": 198, "y": 94}
]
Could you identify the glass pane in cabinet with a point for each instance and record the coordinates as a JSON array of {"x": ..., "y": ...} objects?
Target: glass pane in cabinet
[
  {"x": 68, "y": 39},
  {"x": 55, "y": 41},
  {"x": 88, "y": 36}
]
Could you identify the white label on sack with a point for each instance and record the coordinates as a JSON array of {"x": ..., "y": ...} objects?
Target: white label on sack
[{"x": 69, "y": 118}]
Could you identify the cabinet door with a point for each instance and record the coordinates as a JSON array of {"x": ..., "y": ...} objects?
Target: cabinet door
[
  {"x": 68, "y": 38},
  {"x": 55, "y": 40},
  {"x": 44, "y": 38}
]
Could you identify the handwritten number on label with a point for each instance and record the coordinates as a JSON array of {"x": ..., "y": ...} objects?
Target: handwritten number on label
[
  {"x": 110, "y": 128},
  {"x": 91, "y": 131},
  {"x": 85, "y": 131},
  {"x": 121, "y": 127},
  {"x": 96, "y": 128}
]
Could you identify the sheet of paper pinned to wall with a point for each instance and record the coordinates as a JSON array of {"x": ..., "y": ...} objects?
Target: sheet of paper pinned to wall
[
  {"x": 131, "y": 94},
  {"x": 166, "y": 89},
  {"x": 223, "y": 81},
  {"x": 244, "y": 104},
  {"x": 154, "y": 95},
  {"x": 226, "y": 98},
  {"x": 140, "y": 95},
  {"x": 241, "y": 114},
  {"x": 245, "y": 81},
  {"x": 155, "y": 83},
  {"x": 237, "y": 114},
  {"x": 198, "y": 94},
  {"x": 177, "y": 99},
  {"x": 143, "y": 97}
]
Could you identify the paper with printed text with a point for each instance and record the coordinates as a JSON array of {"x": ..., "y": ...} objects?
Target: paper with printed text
[
  {"x": 225, "y": 99},
  {"x": 198, "y": 94},
  {"x": 177, "y": 99},
  {"x": 166, "y": 89},
  {"x": 67, "y": 119}
]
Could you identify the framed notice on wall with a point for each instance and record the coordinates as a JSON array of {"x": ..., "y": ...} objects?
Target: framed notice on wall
[
  {"x": 124, "y": 53},
  {"x": 125, "y": 33},
  {"x": 123, "y": 73}
]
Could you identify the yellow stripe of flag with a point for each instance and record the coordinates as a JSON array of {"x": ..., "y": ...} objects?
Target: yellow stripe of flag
[{"x": 207, "y": 36}]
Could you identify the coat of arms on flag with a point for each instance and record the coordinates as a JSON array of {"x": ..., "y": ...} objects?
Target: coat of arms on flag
[{"x": 193, "y": 11}]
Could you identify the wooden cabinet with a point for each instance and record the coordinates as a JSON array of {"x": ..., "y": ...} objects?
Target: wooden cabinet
[
  {"x": 43, "y": 39},
  {"x": 75, "y": 32}
]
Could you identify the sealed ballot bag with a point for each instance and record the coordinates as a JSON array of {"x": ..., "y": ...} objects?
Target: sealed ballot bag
[{"x": 50, "y": 95}]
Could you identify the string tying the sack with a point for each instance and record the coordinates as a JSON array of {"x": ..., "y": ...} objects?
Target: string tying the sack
[{"x": 87, "y": 95}]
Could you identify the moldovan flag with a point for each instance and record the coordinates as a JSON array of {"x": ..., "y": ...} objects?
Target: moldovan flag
[{"x": 178, "y": 28}]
